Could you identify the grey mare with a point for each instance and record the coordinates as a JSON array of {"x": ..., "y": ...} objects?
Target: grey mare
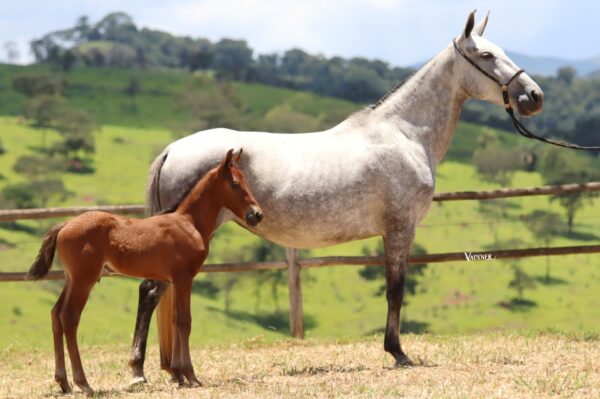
[{"x": 371, "y": 175}]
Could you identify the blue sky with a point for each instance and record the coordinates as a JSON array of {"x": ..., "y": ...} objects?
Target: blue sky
[{"x": 402, "y": 32}]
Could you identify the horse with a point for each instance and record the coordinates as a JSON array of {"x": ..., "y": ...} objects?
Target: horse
[
  {"x": 371, "y": 175},
  {"x": 170, "y": 247}
]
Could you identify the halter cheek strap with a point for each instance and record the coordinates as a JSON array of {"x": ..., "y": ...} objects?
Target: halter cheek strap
[{"x": 523, "y": 131}]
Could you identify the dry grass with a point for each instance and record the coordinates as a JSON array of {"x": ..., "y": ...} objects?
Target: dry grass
[{"x": 480, "y": 366}]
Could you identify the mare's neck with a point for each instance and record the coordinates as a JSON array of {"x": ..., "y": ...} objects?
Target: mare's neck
[
  {"x": 203, "y": 206},
  {"x": 426, "y": 108}
]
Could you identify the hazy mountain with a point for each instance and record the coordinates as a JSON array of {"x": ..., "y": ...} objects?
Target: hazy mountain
[{"x": 547, "y": 66}]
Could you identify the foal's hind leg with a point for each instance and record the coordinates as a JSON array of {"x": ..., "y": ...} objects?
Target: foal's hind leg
[
  {"x": 76, "y": 299},
  {"x": 60, "y": 371}
]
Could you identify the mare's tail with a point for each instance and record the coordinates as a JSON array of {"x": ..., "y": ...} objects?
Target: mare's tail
[
  {"x": 164, "y": 311},
  {"x": 164, "y": 322},
  {"x": 43, "y": 262}
]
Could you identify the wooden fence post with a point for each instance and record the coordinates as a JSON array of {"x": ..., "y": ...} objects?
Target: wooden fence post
[{"x": 295, "y": 290}]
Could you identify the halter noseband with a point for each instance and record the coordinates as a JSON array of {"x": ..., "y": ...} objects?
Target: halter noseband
[{"x": 523, "y": 131}]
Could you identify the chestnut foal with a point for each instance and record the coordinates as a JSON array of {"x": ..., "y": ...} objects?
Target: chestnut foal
[{"x": 169, "y": 247}]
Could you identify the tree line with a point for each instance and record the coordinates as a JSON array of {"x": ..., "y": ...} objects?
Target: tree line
[{"x": 572, "y": 109}]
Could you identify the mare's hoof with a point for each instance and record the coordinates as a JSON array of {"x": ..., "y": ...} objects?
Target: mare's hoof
[
  {"x": 64, "y": 385},
  {"x": 137, "y": 381},
  {"x": 195, "y": 383},
  {"x": 403, "y": 361}
]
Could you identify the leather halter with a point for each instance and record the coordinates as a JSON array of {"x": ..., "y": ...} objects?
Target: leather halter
[{"x": 523, "y": 131}]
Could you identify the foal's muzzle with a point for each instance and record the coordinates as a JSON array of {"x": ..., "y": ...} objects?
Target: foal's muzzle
[{"x": 254, "y": 216}]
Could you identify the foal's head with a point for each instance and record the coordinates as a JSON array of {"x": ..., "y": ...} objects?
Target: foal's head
[{"x": 234, "y": 192}]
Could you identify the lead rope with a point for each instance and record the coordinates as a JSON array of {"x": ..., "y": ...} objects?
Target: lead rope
[{"x": 521, "y": 129}]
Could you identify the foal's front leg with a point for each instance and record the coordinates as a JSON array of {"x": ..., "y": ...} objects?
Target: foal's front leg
[{"x": 182, "y": 360}]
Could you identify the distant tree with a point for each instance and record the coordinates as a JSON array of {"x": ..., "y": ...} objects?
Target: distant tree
[
  {"x": 43, "y": 110},
  {"x": 566, "y": 74},
  {"x": 35, "y": 84},
  {"x": 68, "y": 60},
  {"x": 520, "y": 280},
  {"x": 12, "y": 52},
  {"x": 19, "y": 196},
  {"x": 562, "y": 167},
  {"x": 36, "y": 166},
  {"x": 34, "y": 194},
  {"x": 132, "y": 90},
  {"x": 232, "y": 58},
  {"x": 371, "y": 273},
  {"x": 545, "y": 226},
  {"x": 586, "y": 130},
  {"x": 207, "y": 103},
  {"x": 497, "y": 164},
  {"x": 77, "y": 129},
  {"x": 266, "y": 251}
]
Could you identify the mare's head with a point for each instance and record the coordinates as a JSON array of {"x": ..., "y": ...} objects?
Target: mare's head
[
  {"x": 523, "y": 93},
  {"x": 234, "y": 191}
]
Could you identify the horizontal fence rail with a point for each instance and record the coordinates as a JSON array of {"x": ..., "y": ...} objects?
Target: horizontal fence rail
[
  {"x": 564, "y": 189},
  {"x": 326, "y": 261}
]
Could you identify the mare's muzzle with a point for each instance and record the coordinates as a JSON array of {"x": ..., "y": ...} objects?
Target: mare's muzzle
[{"x": 254, "y": 216}]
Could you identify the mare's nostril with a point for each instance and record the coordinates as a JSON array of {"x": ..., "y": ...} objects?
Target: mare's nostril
[
  {"x": 534, "y": 96},
  {"x": 259, "y": 216}
]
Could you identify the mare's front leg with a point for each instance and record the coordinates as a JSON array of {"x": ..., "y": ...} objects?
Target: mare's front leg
[
  {"x": 183, "y": 323},
  {"x": 398, "y": 242},
  {"x": 149, "y": 295}
]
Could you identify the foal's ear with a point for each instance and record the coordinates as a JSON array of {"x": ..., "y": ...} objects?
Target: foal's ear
[
  {"x": 236, "y": 157},
  {"x": 470, "y": 24},
  {"x": 226, "y": 162}
]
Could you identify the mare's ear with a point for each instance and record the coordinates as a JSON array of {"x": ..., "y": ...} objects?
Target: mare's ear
[
  {"x": 236, "y": 157},
  {"x": 481, "y": 27},
  {"x": 226, "y": 162},
  {"x": 469, "y": 26}
]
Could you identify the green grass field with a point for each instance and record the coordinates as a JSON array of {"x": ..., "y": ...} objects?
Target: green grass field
[{"x": 452, "y": 297}]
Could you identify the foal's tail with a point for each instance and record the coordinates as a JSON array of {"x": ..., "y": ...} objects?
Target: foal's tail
[
  {"x": 164, "y": 322},
  {"x": 43, "y": 262}
]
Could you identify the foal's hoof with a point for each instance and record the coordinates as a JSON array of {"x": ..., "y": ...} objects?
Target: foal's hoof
[
  {"x": 135, "y": 381},
  {"x": 87, "y": 390},
  {"x": 403, "y": 361},
  {"x": 64, "y": 385}
]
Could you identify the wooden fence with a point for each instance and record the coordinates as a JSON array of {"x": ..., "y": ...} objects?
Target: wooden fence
[{"x": 294, "y": 264}]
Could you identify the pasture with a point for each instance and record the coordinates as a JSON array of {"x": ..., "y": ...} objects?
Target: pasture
[
  {"x": 492, "y": 365},
  {"x": 454, "y": 297}
]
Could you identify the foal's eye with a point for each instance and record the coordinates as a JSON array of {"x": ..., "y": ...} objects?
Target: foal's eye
[
  {"x": 486, "y": 55},
  {"x": 235, "y": 185}
]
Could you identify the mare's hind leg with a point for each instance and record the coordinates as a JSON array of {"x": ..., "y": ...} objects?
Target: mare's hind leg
[
  {"x": 149, "y": 294},
  {"x": 397, "y": 252},
  {"x": 76, "y": 299},
  {"x": 183, "y": 291},
  {"x": 60, "y": 371}
]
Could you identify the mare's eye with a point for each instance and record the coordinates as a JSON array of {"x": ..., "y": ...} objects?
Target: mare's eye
[
  {"x": 486, "y": 55},
  {"x": 235, "y": 185}
]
